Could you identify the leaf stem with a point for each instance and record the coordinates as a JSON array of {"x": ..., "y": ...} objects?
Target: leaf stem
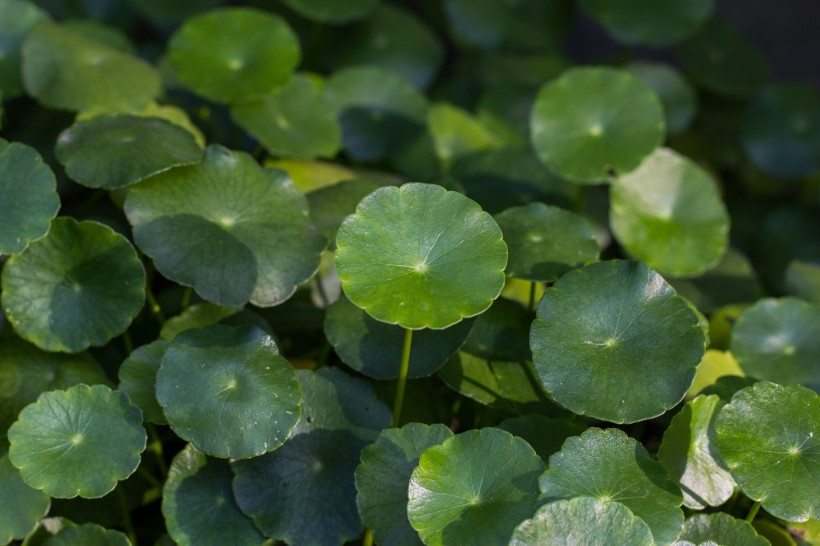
[
  {"x": 186, "y": 298},
  {"x": 156, "y": 447},
  {"x": 153, "y": 304},
  {"x": 367, "y": 539},
  {"x": 128, "y": 342},
  {"x": 405, "y": 366},
  {"x": 150, "y": 478},
  {"x": 126, "y": 515},
  {"x": 753, "y": 512},
  {"x": 579, "y": 204},
  {"x": 531, "y": 305}
]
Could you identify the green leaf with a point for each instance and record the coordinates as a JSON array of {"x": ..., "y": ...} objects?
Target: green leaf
[
  {"x": 775, "y": 340},
  {"x": 330, "y": 205},
  {"x": 304, "y": 492},
  {"x": 94, "y": 433},
  {"x": 199, "y": 506},
  {"x": 67, "y": 71},
  {"x": 803, "y": 280},
  {"x": 46, "y": 528},
  {"x": 456, "y": 134},
  {"x": 26, "y": 371},
  {"x": 332, "y": 12},
  {"x": 169, "y": 12},
  {"x": 714, "y": 365},
  {"x": 774, "y": 533},
  {"x": 687, "y": 452},
  {"x": 19, "y": 16},
  {"x": 769, "y": 439},
  {"x": 382, "y": 479},
  {"x": 420, "y": 256},
  {"x": 198, "y": 315},
  {"x": 295, "y": 120},
  {"x": 374, "y": 348},
  {"x": 720, "y": 528},
  {"x": 88, "y": 534},
  {"x": 592, "y": 121},
  {"x": 474, "y": 488},
  {"x": 58, "y": 290},
  {"x": 676, "y": 93},
  {"x": 546, "y": 435},
  {"x": 648, "y": 22},
  {"x": 117, "y": 151},
  {"x": 781, "y": 132},
  {"x": 21, "y": 507},
  {"x": 138, "y": 376},
  {"x": 668, "y": 213},
  {"x": 545, "y": 242},
  {"x": 257, "y": 219},
  {"x": 28, "y": 196},
  {"x": 228, "y": 391},
  {"x": 634, "y": 361},
  {"x": 500, "y": 333},
  {"x": 233, "y": 54},
  {"x": 586, "y": 522},
  {"x": 611, "y": 466},
  {"x": 101, "y": 33},
  {"x": 379, "y": 111}
]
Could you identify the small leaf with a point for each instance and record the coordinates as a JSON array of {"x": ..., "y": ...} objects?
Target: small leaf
[
  {"x": 714, "y": 365},
  {"x": 138, "y": 377},
  {"x": 676, "y": 93},
  {"x": 769, "y": 438},
  {"x": 720, "y": 528},
  {"x": 228, "y": 391},
  {"x": 500, "y": 333},
  {"x": 88, "y": 534},
  {"x": 330, "y": 205},
  {"x": 610, "y": 466},
  {"x": 457, "y": 134},
  {"x": 21, "y": 507},
  {"x": 19, "y": 16},
  {"x": 55, "y": 293},
  {"x": 474, "y": 488},
  {"x": 198, "y": 315},
  {"x": 332, "y": 12},
  {"x": 382, "y": 479},
  {"x": 546, "y": 435},
  {"x": 588, "y": 521},
  {"x": 647, "y": 22},
  {"x": 199, "y": 506},
  {"x": 94, "y": 433},
  {"x": 420, "y": 256}
]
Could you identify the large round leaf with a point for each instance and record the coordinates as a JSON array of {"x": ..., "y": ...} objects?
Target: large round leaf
[
  {"x": 719, "y": 528},
  {"x": 474, "y": 488},
  {"x": 65, "y": 70},
  {"x": 21, "y": 507},
  {"x": 545, "y": 242},
  {"x": 198, "y": 503},
  {"x": 383, "y": 476},
  {"x": 28, "y": 196},
  {"x": 294, "y": 120},
  {"x": 80, "y": 285},
  {"x": 304, "y": 492},
  {"x": 228, "y": 391},
  {"x": 229, "y": 228},
  {"x": 776, "y": 340},
  {"x": 138, "y": 377},
  {"x": 18, "y": 18},
  {"x": 768, "y": 437},
  {"x": 88, "y": 534},
  {"x": 593, "y": 122},
  {"x": 781, "y": 133},
  {"x": 116, "y": 151},
  {"x": 80, "y": 441},
  {"x": 375, "y": 348},
  {"x": 611, "y": 466},
  {"x": 230, "y": 54},
  {"x": 614, "y": 341},
  {"x": 677, "y": 95},
  {"x": 332, "y": 11},
  {"x": 650, "y": 22},
  {"x": 668, "y": 213},
  {"x": 588, "y": 521},
  {"x": 420, "y": 256}
]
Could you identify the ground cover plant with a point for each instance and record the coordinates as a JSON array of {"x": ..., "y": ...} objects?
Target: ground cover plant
[{"x": 317, "y": 272}]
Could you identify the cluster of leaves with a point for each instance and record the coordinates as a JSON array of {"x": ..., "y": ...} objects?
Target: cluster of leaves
[{"x": 203, "y": 347}]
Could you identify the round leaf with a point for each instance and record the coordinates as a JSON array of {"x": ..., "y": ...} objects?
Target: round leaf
[
  {"x": 138, "y": 376},
  {"x": 19, "y": 16},
  {"x": 80, "y": 285},
  {"x": 776, "y": 340},
  {"x": 677, "y": 95},
  {"x": 769, "y": 438},
  {"x": 198, "y": 503},
  {"x": 383, "y": 476},
  {"x": 257, "y": 219},
  {"x": 589, "y": 521},
  {"x": 332, "y": 11},
  {"x": 592, "y": 121},
  {"x": 80, "y": 441},
  {"x": 330, "y": 205},
  {"x": 546, "y": 435},
  {"x": 169, "y": 12},
  {"x": 668, "y": 213},
  {"x": 28, "y": 196},
  {"x": 231, "y": 54},
  {"x": 614, "y": 341},
  {"x": 304, "y": 492},
  {"x": 457, "y": 134},
  {"x": 88, "y": 534},
  {"x": 65, "y": 70},
  {"x": 116, "y": 151},
  {"x": 545, "y": 242},
  {"x": 474, "y": 488},
  {"x": 21, "y": 507},
  {"x": 228, "y": 391},
  {"x": 420, "y": 256},
  {"x": 500, "y": 333},
  {"x": 611, "y": 466},
  {"x": 649, "y": 22},
  {"x": 375, "y": 348},
  {"x": 721, "y": 529}
]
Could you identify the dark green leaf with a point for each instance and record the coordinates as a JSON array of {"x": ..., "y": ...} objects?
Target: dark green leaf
[
  {"x": 546, "y": 435},
  {"x": 19, "y": 16},
  {"x": 21, "y": 507},
  {"x": 677, "y": 95},
  {"x": 88, "y": 534},
  {"x": 332, "y": 11},
  {"x": 330, "y": 205},
  {"x": 500, "y": 333},
  {"x": 649, "y": 22},
  {"x": 138, "y": 377}
]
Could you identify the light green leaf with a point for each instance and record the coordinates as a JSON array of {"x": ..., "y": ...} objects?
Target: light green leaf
[
  {"x": 474, "y": 488},
  {"x": 88, "y": 534},
  {"x": 138, "y": 377},
  {"x": 635, "y": 360},
  {"x": 676, "y": 93},
  {"x": 21, "y": 507},
  {"x": 420, "y": 256},
  {"x": 332, "y": 12},
  {"x": 94, "y": 433},
  {"x": 720, "y": 528},
  {"x": 769, "y": 438},
  {"x": 456, "y": 134},
  {"x": 101, "y": 33},
  {"x": 649, "y": 22},
  {"x": 80, "y": 285},
  {"x": 19, "y": 16},
  {"x": 714, "y": 365},
  {"x": 610, "y": 466}
]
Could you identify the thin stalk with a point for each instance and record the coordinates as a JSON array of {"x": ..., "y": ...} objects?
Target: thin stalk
[
  {"x": 128, "y": 342},
  {"x": 531, "y": 305},
  {"x": 150, "y": 478},
  {"x": 126, "y": 516},
  {"x": 367, "y": 539},
  {"x": 153, "y": 304},
  {"x": 156, "y": 447},
  {"x": 750, "y": 517},
  {"x": 579, "y": 205},
  {"x": 186, "y": 298},
  {"x": 405, "y": 366}
]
